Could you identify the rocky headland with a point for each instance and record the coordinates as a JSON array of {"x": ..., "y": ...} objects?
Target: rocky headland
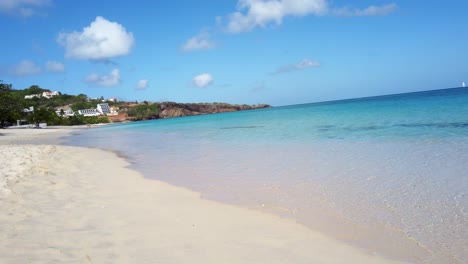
[{"x": 172, "y": 109}]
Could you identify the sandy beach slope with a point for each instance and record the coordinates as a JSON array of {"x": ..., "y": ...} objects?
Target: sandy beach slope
[{"x": 64, "y": 204}]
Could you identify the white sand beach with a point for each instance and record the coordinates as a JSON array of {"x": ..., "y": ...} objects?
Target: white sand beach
[{"x": 63, "y": 204}]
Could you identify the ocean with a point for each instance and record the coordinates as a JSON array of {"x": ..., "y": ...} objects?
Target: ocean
[{"x": 388, "y": 174}]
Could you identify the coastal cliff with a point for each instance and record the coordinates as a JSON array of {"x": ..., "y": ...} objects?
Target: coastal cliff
[
  {"x": 147, "y": 110},
  {"x": 171, "y": 109}
]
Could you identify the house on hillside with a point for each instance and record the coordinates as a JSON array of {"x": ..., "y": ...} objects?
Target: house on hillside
[
  {"x": 103, "y": 109},
  {"x": 89, "y": 112},
  {"x": 31, "y": 96},
  {"x": 50, "y": 94},
  {"x": 47, "y": 95},
  {"x": 112, "y": 100}
]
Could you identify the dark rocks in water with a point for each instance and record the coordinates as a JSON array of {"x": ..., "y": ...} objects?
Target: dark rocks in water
[{"x": 171, "y": 109}]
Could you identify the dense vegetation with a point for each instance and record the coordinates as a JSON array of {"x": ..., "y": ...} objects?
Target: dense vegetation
[
  {"x": 144, "y": 111},
  {"x": 77, "y": 102},
  {"x": 12, "y": 103}
]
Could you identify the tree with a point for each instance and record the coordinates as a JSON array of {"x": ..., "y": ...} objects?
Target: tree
[
  {"x": 76, "y": 120},
  {"x": 35, "y": 89},
  {"x": 10, "y": 105},
  {"x": 41, "y": 114},
  {"x": 4, "y": 86},
  {"x": 82, "y": 105}
]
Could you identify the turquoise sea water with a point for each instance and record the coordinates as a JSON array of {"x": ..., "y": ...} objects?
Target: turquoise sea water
[{"x": 393, "y": 167}]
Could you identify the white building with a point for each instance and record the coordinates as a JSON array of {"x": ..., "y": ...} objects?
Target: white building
[
  {"x": 50, "y": 94},
  {"x": 113, "y": 112},
  {"x": 88, "y": 112},
  {"x": 103, "y": 108},
  {"x": 31, "y": 96},
  {"x": 113, "y": 100},
  {"x": 44, "y": 94}
]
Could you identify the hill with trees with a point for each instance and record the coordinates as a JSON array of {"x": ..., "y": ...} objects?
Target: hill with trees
[{"x": 14, "y": 105}]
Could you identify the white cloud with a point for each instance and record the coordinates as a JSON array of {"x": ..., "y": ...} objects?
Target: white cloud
[
  {"x": 25, "y": 68},
  {"x": 55, "y": 66},
  {"x": 111, "y": 79},
  {"x": 141, "y": 85},
  {"x": 306, "y": 63},
  {"x": 101, "y": 40},
  {"x": 203, "y": 80},
  {"x": 255, "y": 13},
  {"x": 25, "y": 8},
  {"x": 303, "y": 64},
  {"x": 251, "y": 14},
  {"x": 201, "y": 41},
  {"x": 369, "y": 11}
]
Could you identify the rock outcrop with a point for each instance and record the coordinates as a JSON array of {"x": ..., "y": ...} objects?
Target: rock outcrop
[{"x": 171, "y": 109}]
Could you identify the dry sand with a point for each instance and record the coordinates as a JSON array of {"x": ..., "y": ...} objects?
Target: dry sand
[{"x": 78, "y": 205}]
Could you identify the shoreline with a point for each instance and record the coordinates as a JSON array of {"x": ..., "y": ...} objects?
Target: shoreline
[
  {"x": 262, "y": 194},
  {"x": 62, "y": 207}
]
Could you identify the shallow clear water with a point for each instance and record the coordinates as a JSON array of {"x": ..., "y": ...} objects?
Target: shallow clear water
[{"x": 397, "y": 164}]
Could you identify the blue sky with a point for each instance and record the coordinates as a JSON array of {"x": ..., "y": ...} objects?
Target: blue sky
[{"x": 278, "y": 52}]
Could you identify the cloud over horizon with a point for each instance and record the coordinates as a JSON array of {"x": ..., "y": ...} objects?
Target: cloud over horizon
[
  {"x": 55, "y": 66},
  {"x": 302, "y": 65},
  {"x": 141, "y": 85},
  {"x": 105, "y": 80},
  {"x": 101, "y": 40},
  {"x": 24, "y": 8},
  {"x": 203, "y": 80},
  {"x": 27, "y": 68},
  {"x": 24, "y": 68}
]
